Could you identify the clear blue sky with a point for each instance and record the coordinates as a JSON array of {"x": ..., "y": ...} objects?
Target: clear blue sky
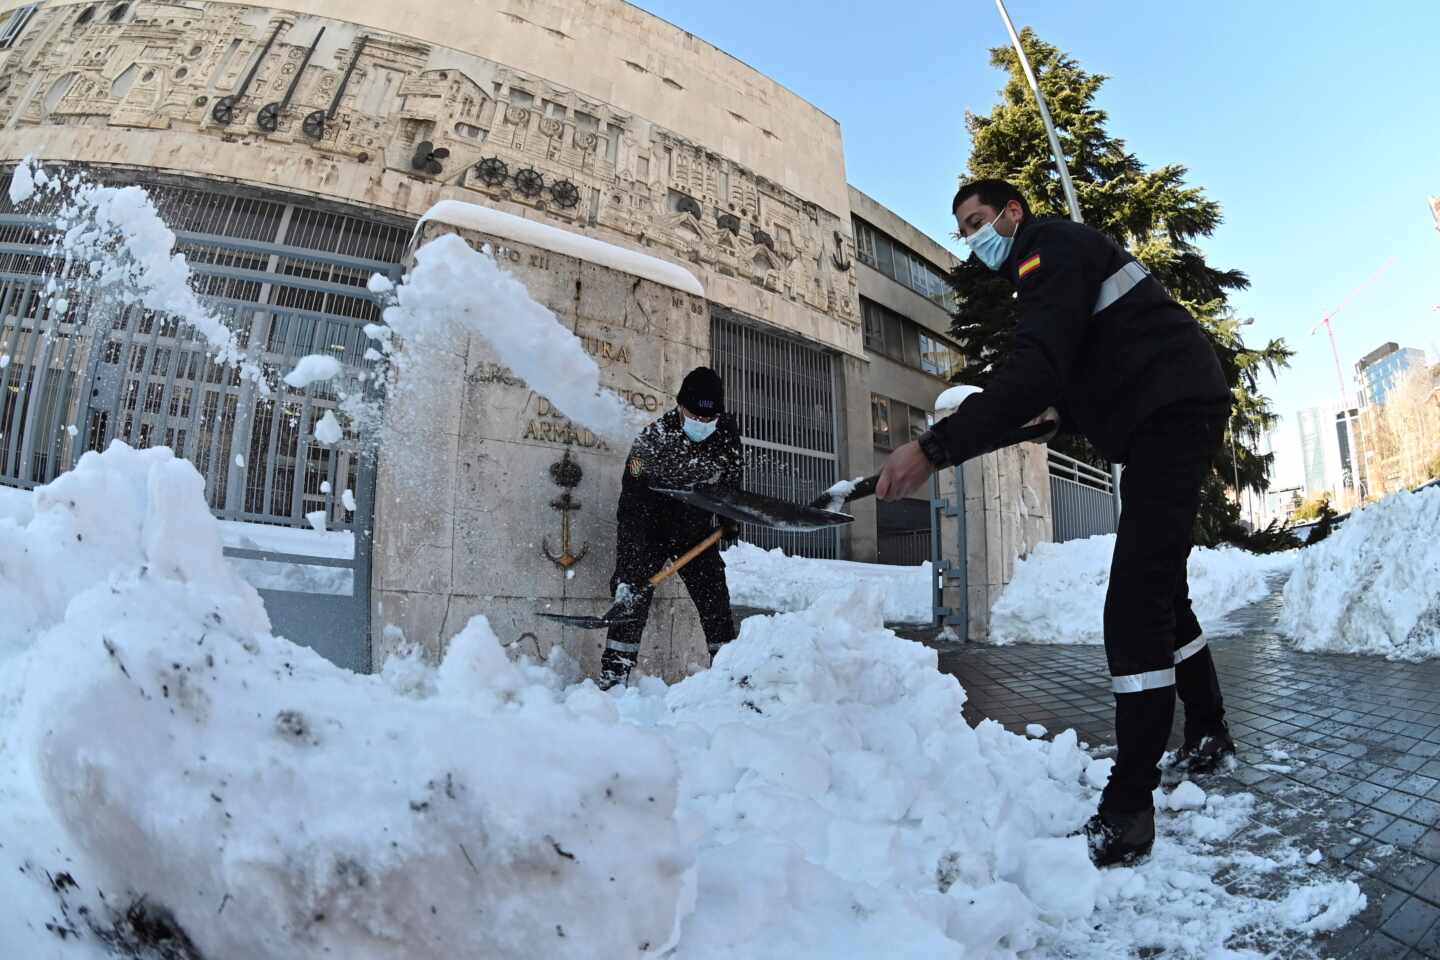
[{"x": 1316, "y": 126}]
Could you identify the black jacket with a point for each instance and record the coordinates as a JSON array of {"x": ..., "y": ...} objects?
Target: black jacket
[
  {"x": 663, "y": 456},
  {"x": 1105, "y": 370}
]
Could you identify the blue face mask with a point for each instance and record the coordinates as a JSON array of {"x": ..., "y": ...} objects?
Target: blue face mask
[
  {"x": 698, "y": 430},
  {"x": 989, "y": 245}
]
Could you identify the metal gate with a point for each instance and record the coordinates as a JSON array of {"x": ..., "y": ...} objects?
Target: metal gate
[
  {"x": 783, "y": 393},
  {"x": 289, "y": 276},
  {"x": 1083, "y": 499}
]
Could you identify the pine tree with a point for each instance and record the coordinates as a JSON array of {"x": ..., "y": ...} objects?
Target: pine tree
[{"x": 1152, "y": 212}]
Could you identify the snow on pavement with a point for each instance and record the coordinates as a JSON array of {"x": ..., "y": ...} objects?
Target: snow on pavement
[
  {"x": 815, "y": 794},
  {"x": 1372, "y": 586},
  {"x": 1058, "y": 592},
  {"x": 770, "y": 580}
]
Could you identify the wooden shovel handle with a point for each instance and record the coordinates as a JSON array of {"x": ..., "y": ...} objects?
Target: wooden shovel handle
[{"x": 689, "y": 555}]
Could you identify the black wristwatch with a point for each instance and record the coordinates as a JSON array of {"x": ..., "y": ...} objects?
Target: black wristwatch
[{"x": 934, "y": 449}]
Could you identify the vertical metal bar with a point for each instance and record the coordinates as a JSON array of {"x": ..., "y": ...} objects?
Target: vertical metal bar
[
  {"x": 1059, "y": 154},
  {"x": 34, "y": 407},
  {"x": 61, "y": 406},
  {"x": 364, "y": 536},
  {"x": 21, "y": 470}
]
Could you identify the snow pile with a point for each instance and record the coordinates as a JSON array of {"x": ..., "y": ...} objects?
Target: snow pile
[
  {"x": 454, "y": 289},
  {"x": 1373, "y": 586},
  {"x": 847, "y": 811},
  {"x": 1058, "y": 592},
  {"x": 112, "y": 241},
  {"x": 157, "y": 742},
  {"x": 814, "y": 795},
  {"x": 770, "y": 580}
]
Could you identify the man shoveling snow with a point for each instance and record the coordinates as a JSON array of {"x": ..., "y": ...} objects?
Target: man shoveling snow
[{"x": 1102, "y": 341}]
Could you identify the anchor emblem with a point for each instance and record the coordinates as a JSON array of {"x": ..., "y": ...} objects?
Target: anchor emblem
[
  {"x": 567, "y": 474},
  {"x": 842, "y": 262}
]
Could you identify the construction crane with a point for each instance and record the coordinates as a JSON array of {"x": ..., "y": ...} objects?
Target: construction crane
[
  {"x": 1325, "y": 322},
  {"x": 1339, "y": 369}
]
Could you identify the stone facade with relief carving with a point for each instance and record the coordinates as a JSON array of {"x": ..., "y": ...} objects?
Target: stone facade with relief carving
[
  {"x": 503, "y": 506},
  {"x": 138, "y": 84}
]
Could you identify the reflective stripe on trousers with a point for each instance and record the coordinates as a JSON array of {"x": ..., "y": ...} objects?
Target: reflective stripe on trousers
[
  {"x": 1156, "y": 679},
  {"x": 620, "y": 646},
  {"x": 1190, "y": 649},
  {"x": 1140, "y": 682},
  {"x": 1119, "y": 283}
]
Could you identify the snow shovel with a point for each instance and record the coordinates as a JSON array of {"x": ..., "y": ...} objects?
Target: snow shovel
[
  {"x": 745, "y": 507},
  {"x": 624, "y": 610}
]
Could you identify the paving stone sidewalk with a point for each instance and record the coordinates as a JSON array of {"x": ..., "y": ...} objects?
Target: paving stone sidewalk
[{"x": 1345, "y": 748}]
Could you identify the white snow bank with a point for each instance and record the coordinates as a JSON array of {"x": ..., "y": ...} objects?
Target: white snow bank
[
  {"x": 150, "y": 723},
  {"x": 847, "y": 811},
  {"x": 772, "y": 581},
  {"x": 313, "y": 368},
  {"x": 1373, "y": 586},
  {"x": 1058, "y": 592},
  {"x": 337, "y": 544},
  {"x": 453, "y": 288},
  {"x": 815, "y": 794},
  {"x": 497, "y": 223},
  {"x": 16, "y": 504}
]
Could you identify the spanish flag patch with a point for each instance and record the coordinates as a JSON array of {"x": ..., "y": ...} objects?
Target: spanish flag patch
[{"x": 1033, "y": 263}]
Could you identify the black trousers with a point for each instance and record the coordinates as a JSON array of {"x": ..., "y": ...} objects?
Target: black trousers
[
  {"x": 1153, "y": 641},
  {"x": 704, "y": 578}
]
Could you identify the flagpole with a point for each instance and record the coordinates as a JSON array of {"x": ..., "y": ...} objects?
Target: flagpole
[
  {"x": 1055, "y": 150},
  {"x": 1070, "y": 199}
]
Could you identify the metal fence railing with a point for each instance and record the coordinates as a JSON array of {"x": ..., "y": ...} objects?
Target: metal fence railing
[
  {"x": 906, "y": 548},
  {"x": 1082, "y": 499},
  {"x": 80, "y": 371},
  {"x": 782, "y": 392}
]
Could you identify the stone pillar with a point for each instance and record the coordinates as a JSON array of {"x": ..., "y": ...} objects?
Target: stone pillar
[
  {"x": 469, "y": 516},
  {"x": 1007, "y": 514},
  {"x": 859, "y": 540}
]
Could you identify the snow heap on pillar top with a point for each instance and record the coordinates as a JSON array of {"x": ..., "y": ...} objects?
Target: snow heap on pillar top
[{"x": 497, "y": 223}]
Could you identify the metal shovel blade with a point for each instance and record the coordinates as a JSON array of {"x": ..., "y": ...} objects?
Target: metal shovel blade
[
  {"x": 763, "y": 511},
  {"x": 615, "y": 616}
]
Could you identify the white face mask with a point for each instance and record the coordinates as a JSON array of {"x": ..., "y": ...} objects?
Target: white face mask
[{"x": 698, "y": 430}]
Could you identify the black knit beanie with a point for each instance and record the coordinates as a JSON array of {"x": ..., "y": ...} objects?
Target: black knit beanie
[{"x": 702, "y": 392}]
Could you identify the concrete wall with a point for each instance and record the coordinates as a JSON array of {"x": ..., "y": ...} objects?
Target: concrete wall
[
  {"x": 1007, "y": 514},
  {"x": 466, "y": 521},
  {"x": 620, "y": 110}
]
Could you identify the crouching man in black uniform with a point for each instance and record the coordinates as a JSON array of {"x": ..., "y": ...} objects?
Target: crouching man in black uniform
[
  {"x": 1101, "y": 340},
  {"x": 697, "y": 442}
]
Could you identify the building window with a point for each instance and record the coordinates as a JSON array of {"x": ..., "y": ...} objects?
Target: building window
[
  {"x": 901, "y": 339},
  {"x": 864, "y": 242},
  {"x": 880, "y": 420},
  {"x": 938, "y": 357},
  {"x": 11, "y": 29},
  {"x": 894, "y": 423},
  {"x": 902, "y": 264},
  {"x": 874, "y": 326}
]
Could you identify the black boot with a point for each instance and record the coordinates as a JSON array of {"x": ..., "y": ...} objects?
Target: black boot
[
  {"x": 614, "y": 669},
  {"x": 1204, "y": 755},
  {"x": 1120, "y": 838}
]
